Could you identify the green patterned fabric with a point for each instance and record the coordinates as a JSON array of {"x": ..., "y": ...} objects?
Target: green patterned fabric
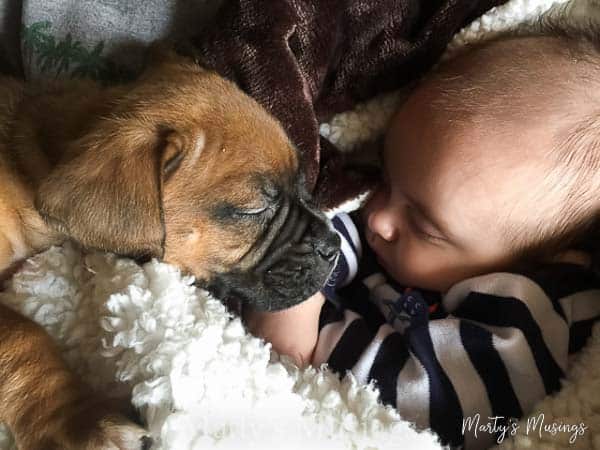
[
  {"x": 52, "y": 57},
  {"x": 99, "y": 39}
]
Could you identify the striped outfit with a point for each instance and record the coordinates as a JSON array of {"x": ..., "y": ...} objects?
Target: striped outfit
[{"x": 493, "y": 345}]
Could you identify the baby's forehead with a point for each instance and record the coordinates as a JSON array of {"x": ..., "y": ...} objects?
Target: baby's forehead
[
  {"x": 472, "y": 172},
  {"x": 482, "y": 139},
  {"x": 436, "y": 138},
  {"x": 507, "y": 80}
]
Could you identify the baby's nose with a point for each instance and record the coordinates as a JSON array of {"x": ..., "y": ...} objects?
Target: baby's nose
[{"x": 382, "y": 223}]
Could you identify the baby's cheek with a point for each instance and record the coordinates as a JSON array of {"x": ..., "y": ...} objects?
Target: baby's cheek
[
  {"x": 421, "y": 267},
  {"x": 408, "y": 265}
]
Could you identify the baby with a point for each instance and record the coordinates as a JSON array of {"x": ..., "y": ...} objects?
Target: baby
[{"x": 490, "y": 167}]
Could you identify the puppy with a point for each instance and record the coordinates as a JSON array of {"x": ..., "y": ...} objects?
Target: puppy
[{"x": 179, "y": 165}]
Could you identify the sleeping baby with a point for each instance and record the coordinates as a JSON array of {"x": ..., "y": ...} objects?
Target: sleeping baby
[{"x": 456, "y": 291}]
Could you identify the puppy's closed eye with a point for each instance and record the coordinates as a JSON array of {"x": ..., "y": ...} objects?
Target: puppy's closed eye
[
  {"x": 271, "y": 196},
  {"x": 256, "y": 211},
  {"x": 253, "y": 211}
]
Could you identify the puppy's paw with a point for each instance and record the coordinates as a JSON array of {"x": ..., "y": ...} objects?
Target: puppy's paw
[
  {"x": 114, "y": 432},
  {"x": 96, "y": 425}
]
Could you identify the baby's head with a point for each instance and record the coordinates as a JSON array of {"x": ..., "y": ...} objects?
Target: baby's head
[{"x": 492, "y": 161}]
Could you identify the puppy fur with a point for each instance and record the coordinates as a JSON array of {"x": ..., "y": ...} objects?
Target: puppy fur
[{"x": 136, "y": 169}]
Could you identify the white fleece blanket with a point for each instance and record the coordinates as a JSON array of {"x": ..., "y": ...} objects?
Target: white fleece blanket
[{"x": 202, "y": 382}]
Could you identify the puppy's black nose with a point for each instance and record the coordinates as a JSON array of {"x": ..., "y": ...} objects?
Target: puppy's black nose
[{"x": 329, "y": 247}]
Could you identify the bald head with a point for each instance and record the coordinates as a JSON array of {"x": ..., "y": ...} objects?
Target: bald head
[
  {"x": 523, "y": 76},
  {"x": 493, "y": 157},
  {"x": 538, "y": 97}
]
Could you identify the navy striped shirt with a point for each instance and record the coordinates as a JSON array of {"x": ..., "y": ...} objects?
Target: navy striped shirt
[{"x": 492, "y": 346}]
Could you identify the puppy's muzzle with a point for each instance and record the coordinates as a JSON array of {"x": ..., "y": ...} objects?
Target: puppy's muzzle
[
  {"x": 290, "y": 263},
  {"x": 299, "y": 232}
]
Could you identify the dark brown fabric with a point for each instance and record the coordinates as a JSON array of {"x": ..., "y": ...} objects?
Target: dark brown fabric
[{"x": 306, "y": 60}]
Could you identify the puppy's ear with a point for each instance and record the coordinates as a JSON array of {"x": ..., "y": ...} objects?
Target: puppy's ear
[
  {"x": 180, "y": 149},
  {"x": 108, "y": 196}
]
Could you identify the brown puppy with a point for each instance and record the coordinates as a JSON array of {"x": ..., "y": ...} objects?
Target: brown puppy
[{"x": 179, "y": 165}]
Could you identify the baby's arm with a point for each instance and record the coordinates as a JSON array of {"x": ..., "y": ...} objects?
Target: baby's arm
[{"x": 293, "y": 331}]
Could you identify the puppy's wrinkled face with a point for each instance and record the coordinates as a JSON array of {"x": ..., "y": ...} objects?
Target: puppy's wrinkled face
[
  {"x": 190, "y": 169},
  {"x": 235, "y": 210}
]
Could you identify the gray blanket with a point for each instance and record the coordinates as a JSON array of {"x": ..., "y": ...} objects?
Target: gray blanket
[{"x": 103, "y": 39}]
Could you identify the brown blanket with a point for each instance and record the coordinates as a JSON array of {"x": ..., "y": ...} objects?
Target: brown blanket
[{"x": 306, "y": 60}]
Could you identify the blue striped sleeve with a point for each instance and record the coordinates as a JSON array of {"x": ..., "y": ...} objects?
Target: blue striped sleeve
[{"x": 501, "y": 348}]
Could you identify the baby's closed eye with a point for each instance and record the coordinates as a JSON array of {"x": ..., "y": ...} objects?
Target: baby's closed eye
[{"x": 420, "y": 226}]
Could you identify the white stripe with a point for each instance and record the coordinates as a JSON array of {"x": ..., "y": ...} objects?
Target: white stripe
[
  {"x": 412, "y": 400},
  {"x": 555, "y": 330},
  {"x": 350, "y": 259},
  {"x": 353, "y": 232},
  {"x": 349, "y": 205},
  {"x": 470, "y": 389},
  {"x": 372, "y": 281},
  {"x": 581, "y": 305},
  {"x": 363, "y": 366},
  {"x": 330, "y": 335},
  {"x": 385, "y": 292},
  {"x": 385, "y": 296}
]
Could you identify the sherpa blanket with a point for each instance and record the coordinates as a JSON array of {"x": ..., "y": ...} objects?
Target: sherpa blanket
[{"x": 202, "y": 382}]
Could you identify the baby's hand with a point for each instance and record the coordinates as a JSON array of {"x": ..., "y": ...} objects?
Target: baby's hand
[{"x": 293, "y": 331}]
